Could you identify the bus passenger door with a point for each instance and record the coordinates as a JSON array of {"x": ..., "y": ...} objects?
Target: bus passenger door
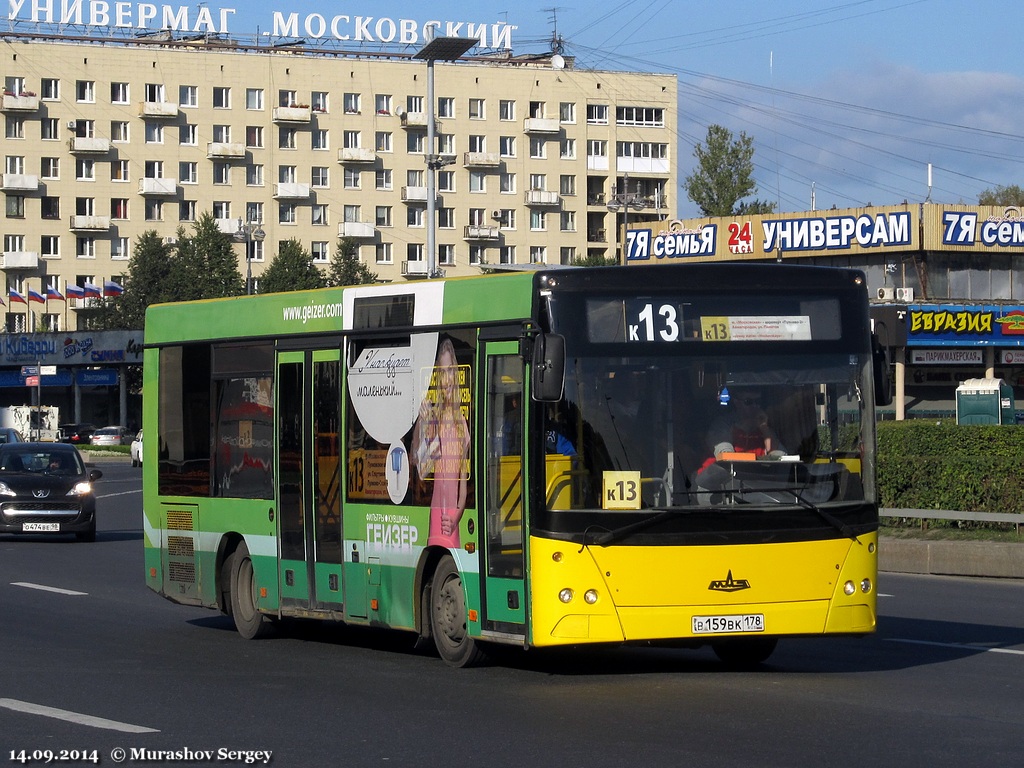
[
  {"x": 504, "y": 498},
  {"x": 308, "y": 476}
]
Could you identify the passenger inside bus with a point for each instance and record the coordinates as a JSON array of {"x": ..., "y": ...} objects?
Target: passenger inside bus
[{"x": 742, "y": 431}]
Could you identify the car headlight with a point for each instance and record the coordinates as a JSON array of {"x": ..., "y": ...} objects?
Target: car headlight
[
  {"x": 5, "y": 490},
  {"x": 81, "y": 489}
]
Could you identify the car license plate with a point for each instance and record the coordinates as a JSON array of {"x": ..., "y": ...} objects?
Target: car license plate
[
  {"x": 41, "y": 527},
  {"x": 718, "y": 625}
]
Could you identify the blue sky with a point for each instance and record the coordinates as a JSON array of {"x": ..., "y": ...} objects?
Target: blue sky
[{"x": 850, "y": 98}]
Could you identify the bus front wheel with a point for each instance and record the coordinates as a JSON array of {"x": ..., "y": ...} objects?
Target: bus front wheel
[
  {"x": 249, "y": 622},
  {"x": 448, "y": 618},
  {"x": 745, "y": 652}
]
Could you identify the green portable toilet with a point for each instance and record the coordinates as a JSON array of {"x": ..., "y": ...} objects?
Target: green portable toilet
[{"x": 984, "y": 401}]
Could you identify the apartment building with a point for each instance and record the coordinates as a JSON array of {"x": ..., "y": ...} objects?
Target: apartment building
[{"x": 107, "y": 138}]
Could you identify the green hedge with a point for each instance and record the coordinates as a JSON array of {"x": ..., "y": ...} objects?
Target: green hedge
[{"x": 924, "y": 464}]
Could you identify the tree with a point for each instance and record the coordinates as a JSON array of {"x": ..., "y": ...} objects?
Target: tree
[
  {"x": 346, "y": 268},
  {"x": 206, "y": 265},
  {"x": 724, "y": 175},
  {"x": 292, "y": 269},
  {"x": 1010, "y": 195}
]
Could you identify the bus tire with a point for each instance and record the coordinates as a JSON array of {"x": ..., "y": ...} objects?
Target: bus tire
[
  {"x": 249, "y": 622},
  {"x": 448, "y": 622},
  {"x": 745, "y": 652}
]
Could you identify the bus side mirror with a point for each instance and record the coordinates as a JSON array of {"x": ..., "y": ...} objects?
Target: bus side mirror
[
  {"x": 548, "y": 367},
  {"x": 883, "y": 372}
]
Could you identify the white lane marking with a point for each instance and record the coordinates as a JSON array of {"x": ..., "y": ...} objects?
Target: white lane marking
[
  {"x": 882, "y": 594},
  {"x": 959, "y": 646},
  {"x": 44, "y": 588},
  {"x": 74, "y": 717},
  {"x": 122, "y": 493}
]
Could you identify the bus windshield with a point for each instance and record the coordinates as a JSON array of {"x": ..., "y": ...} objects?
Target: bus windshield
[{"x": 745, "y": 436}]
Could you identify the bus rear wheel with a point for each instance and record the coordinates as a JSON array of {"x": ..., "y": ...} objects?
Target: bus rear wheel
[
  {"x": 745, "y": 652},
  {"x": 448, "y": 618},
  {"x": 249, "y": 622}
]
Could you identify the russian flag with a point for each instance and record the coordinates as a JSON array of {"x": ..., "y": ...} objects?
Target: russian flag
[
  {"x": 36, "y": 296},
  {"x": 74, "y": 291},
  {"x": 92, "y": 290},
  {"x": 17, "y": 298},
  {"x": 110, "y": 288},
  {"x": 53, "y": 293}
]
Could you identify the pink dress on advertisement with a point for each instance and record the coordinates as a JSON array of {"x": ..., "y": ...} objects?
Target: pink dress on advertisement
[{"x": 449, "y": 484}]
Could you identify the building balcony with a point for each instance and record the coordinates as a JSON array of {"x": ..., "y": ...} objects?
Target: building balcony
[
  {"x": 21, "y": 260},
  {"x": 158, "y": 109},
  {"x": 227, "y": 226},
  {"x": 291, "y": 191},
  {"x": 223, "y": 150},
  {"x": 89, "y": 302},
  {"x": 292, "y": 114},
  {"x": 89, "y": 223},
  {"x": 541, "y": 197},
  {"x": 360, "y": 229},
  {"x": 481, "y": 232},
  {"x": 20, "y": 182},
  {"x": 356, "y": 155},
  {"x": 541, "y": 125},
  {"x": 414, "y": 268},
  {"x": 416, "y": 195},
  {"x": 89, "y": 145},
  {"x": 481, "y": 159},
  {"x": 417, "y": 120},
  {"x": 158, "y": 187},
  {"x": 19, "y": 102}
]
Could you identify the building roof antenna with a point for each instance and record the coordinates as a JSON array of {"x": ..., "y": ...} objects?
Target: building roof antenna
[{"x": 557, "y": 43}]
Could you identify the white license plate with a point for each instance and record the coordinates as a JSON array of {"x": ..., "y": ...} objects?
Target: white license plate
[
  {"x": 41, "y": 527},
  {"x": 718, "y": 625}
]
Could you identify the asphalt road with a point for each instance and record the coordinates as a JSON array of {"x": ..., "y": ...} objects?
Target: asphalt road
[{"x": 90, "y": 660}]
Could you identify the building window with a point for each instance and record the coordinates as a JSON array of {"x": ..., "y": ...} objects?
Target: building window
[
  {"x": 507, "y": 146},
  {"x": 321, "y": 251},
  {"x": 154, "y": 132},
  {"x": 597, "y": 148},
  {"x": 568, "y": 221},
  {"x": 477, "y": 143},
  {"x": 222, "y": 134},
  {"x": 50, "y": 207},
  {"x": 567, "y": 150},
  {"x": 85, "y": 169},
  {"x": 254, "y": 136},
  {"x": 538, "y": 148},
  {"x": 567, "y": 185},
  {"x": 221, "y": 97},
  {"x": 49, "y": 168},
  {"x": 415, "y": 142},
  {"x": 119, "y": 93},
  {"x": 477, "y": 181},
  {"x": 154, "y": 210},
  {"x": 538, "y": 181},
  {"x": 119, "y": 131},
  {"x": 382, "y": 103},
  {"x": 538, "y": 254},
  {"x": 85, "y": 91},
  {"x": 188, "y": 135},
  {"x": 85, "y": 248},
  {"x": 414, "y": 104},
  {"x": 446, "y": 218},
  {"x": 85, "y": 206},
  {"x": 286, "y": 137},
  {"x": 15, "y": 127},
  {"x": 567, "y": 254},
  {"x": 649, "y": 117},
  {"x": 446, "y": 181},
  {"x": 350, "y": 103},
  {"x": 383, "y": 180},
  {"x": 15, "y": 206},
  {"x": 222, "y": 209},
  {"x": 286, "y": 212},
  {"x": 188, "y": 172},
  {"x": 538, "y": 221},
  {"x": 383, "y": 141},
  {"x": 446, "y": 255},
  {"x": 477, "y": 109},
  {"x": 352, "y": 178},
  {"x": 119, "y": 171},
  {"x": 507, "y": 218},
  {"x": 318, "y": 101},
  {"x": 254, "y": 98},
  {"x": 382, "y": 253},
  {"x": 188, "y": 96},
  {"x": 507, "y": 254},
  {"x": 507, "y": 183},
  {"x": 567, "y": 112},
  {"x": 254, "y": 175},
  {"x": 186, "y": 210},
  {"x": 382, "y": 216},
  {"x": 415, "y": 216},
  {"x": 50, "y": 89},
  {"x": 446, "y": 107},
  {"x": 320, "y": 139},
  {"x": 119, "y": 208},
  {"x": 477, "y": 254},
  {"x": 49, "y": 246},
  {"x": 597, "y": 114},
  {"x": 319, "y": 215},
  {"x": 49, "y": 129},
  {"x": 506, "y": 110},
  {"x": 319, "y": 175},
  {"x": 221, "y": 173}
]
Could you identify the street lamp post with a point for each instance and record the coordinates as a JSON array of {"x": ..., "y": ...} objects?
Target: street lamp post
[
  {"x": 437, "y": 49},
  {"x": 249, "y": 232},
  {"x": 624, "y": 201}
]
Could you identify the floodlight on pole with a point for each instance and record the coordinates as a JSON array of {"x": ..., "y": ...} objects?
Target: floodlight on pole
[
  {"x": 248, "y": 233},
  {"x": 436, "y": 49}
]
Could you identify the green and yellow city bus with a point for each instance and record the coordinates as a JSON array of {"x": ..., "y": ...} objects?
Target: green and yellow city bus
[{"x": 532, "y": 459}]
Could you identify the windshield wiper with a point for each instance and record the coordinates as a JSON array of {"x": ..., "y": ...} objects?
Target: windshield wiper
[
  {"x": 609, "y": 537},
  {"x": 828, "y": 517}
]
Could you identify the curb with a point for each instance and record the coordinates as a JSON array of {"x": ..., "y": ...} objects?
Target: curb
[{"x": 952, "y": 558}]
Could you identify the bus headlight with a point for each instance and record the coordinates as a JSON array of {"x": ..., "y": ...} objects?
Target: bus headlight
[
  {"x": 590, "y": 596},
  {"x": 865, "y": 586},
  {"x": 849, "y": 588},
  {"x": 565, "y": 595}
]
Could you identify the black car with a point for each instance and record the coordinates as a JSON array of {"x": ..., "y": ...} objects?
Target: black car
[
  {"x": 77, "y": 434},
  {"x": 46, "y": 488}
]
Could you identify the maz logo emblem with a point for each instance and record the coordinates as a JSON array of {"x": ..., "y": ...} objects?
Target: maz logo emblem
[
  {"x": 42, "y": 493},
  {"x": 729, "y": 584}
]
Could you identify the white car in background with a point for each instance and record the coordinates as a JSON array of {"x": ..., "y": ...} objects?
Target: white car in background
[{"x": 137, "y": 450}]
